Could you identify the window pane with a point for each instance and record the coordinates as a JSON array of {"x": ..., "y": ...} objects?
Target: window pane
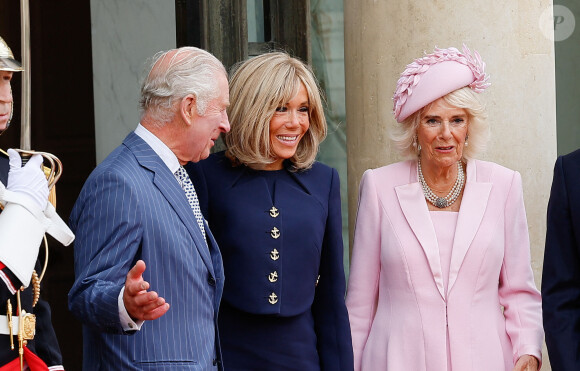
[
  {"x": 327, "y": 43},
  {"x": 256, "y": 21}
]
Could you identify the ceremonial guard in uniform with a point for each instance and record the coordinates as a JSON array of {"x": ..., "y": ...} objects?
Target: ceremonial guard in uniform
[{"x": 27, "y": 338}]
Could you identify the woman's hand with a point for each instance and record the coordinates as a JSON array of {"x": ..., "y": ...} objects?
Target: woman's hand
[{"x": 527, "y": 363}]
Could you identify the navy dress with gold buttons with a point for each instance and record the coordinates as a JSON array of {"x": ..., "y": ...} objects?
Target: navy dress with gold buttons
[{"x": 280, "y": 235}]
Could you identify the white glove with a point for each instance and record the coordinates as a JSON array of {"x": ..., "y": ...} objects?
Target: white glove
[
  {"x": 27, "y": 216},
  {"x": 28, "y": 180}
]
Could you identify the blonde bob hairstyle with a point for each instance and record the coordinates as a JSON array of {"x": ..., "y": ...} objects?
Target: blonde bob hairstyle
[
  {"x": 258, "y": 87},
  {"x": 403, "y": 134}
]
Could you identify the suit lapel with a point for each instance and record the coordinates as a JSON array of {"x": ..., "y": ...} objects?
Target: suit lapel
[
  {"x": 168, "y": 186},
  {"x": 473, "y": 206},
  {"x": 412, "y": 201},
  {"x": 216, "y": 258}
]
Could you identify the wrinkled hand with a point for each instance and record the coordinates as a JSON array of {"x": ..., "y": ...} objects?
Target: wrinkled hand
[
  {"x": 28, "y": 180},
  {"x": 140, "y": 303},
  {"x": 527, "y": 363}
]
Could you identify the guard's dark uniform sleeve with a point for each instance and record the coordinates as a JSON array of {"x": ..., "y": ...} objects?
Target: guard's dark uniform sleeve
[{"x": 46, "y": 344}]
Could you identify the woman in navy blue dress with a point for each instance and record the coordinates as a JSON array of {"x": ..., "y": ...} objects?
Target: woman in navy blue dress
[{"x": 275, "y": 213}]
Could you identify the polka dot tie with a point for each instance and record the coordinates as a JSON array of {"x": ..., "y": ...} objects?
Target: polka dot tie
[{"x": 187, "y": 186}]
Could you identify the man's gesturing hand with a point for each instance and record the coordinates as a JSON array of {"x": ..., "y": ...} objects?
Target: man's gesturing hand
[{"x": 140, "y": 303}]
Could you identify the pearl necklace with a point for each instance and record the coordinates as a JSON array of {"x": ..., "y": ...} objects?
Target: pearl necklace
[{"x": 442, "y": 202}]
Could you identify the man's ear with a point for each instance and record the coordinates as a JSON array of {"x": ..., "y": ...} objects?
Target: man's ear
[{"x": 188, "y": 108}]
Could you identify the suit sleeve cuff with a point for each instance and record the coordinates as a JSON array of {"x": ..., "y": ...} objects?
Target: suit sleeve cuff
[{"x": 126, "y": 321}]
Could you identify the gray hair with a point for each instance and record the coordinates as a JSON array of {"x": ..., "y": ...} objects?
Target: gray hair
[
  {"x": 172, "y": 75},
  {"x": 403, "y": 134}
]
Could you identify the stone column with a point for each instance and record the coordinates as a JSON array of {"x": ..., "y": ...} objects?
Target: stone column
[
  {"x": 516, "y": 42},
  {"x": 124, "y": 35}
]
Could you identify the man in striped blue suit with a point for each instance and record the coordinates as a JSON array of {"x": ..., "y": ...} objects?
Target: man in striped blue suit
[{"x": 138, "y": 229}]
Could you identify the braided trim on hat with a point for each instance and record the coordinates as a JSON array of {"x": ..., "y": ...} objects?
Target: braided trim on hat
[{"x": 413, "y": 72}]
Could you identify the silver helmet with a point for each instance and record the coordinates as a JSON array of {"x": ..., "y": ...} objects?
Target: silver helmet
[{"x": 7, "y": 61}]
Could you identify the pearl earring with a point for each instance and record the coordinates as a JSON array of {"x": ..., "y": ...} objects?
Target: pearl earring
[{"x": 416, "y": 144}]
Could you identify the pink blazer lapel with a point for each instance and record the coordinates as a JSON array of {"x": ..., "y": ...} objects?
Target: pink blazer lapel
[
  {"x": 473, "y": 206},
  {"x": 415, "y": 209}
]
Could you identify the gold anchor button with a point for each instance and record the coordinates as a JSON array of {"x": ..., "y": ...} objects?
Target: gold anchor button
[
  {"x": 275, "y": 233},
  {"x": 273, "y": 277},
  {"x": 274, "y": 212},
  {"x": 274, "y": 254},
  {"x": 273, "y": 298}
]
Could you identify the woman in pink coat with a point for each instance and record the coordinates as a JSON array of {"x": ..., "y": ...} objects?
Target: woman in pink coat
[{"x": 440, "y": 276}]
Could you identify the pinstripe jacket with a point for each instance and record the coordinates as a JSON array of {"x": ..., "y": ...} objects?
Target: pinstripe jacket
[{"x": 131, "y": 207}]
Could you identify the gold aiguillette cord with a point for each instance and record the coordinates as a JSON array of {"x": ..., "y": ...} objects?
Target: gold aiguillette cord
[
  {"x": 21, "y": 340},
  {"x": 9, "y": 315}
]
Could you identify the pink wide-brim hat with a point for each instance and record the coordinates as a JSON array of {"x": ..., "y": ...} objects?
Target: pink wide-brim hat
[{"x": 435, "y": 75}]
